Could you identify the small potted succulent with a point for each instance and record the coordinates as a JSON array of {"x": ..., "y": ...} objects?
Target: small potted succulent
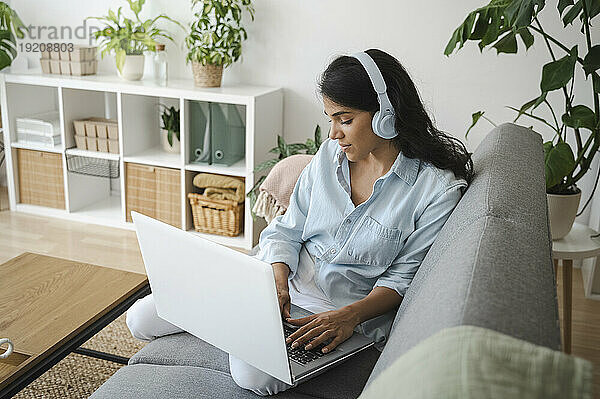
[
  {"x": 129, "y": 38},
  {"x": 215, "y": 39},
  {"x": 169, "y": 135},
  {"x": 498, "y": 25}
]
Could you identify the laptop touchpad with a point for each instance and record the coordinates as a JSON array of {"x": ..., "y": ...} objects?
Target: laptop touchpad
[{"x": 297, "y": 312}]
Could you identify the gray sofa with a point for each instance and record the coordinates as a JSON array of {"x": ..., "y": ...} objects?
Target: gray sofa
[{"x": 489, "y": 267}]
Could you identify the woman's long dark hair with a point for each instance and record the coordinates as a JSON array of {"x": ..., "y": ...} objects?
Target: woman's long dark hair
[{"x": 346, "y": 83}]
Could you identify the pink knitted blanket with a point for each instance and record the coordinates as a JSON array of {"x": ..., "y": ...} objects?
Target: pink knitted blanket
[{"x": 277, "y": 188}]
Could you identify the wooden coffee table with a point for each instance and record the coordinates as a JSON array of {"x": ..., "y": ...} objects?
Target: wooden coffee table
[{"x": 50, "y": 306}]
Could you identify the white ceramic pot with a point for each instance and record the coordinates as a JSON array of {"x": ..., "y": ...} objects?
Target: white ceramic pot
[
  {"x": 165, "y": 142},
  {"x": 562, "y": 210},
  {"x": 133, "y": 68}
]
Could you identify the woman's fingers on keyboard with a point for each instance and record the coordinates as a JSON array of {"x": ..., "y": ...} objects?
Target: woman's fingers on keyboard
[
  {"x": 307, "y": 336},
  {"x": 323, "y": 337},
  {"x": 301, "y": 331}
]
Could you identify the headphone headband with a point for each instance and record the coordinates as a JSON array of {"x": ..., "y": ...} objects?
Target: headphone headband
[
  {"x": 373, "y": 72},
  {"x": 383, "y": 120}
]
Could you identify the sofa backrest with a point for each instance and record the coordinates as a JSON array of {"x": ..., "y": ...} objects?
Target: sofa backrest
[{"x": 490, "y": 265}]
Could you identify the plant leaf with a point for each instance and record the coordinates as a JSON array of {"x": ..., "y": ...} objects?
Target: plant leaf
[
  {"x": 508, "y": 44},
  {"x": 580, "y": 116},
  {"x": 596, "y": 82},
  {"x": 318, "y": 139},
  {"x": 266, "y": 165},
  {"x": 520, "y": 13},
  {"x": 533, "y": 103},
  {"x": 282, "y": 146},
  {"x": 294, "y": 149},
  {"x": 489, "y": 24},
  {"x": 591, "y": 62},
  {"x": 557, "y": 74},
  {"x": 593, "y": 8},
  {"x": 531, "y": 116},
  {"x": 120, "y": 59},
  {"x": 527, "y": 37},
  {"x": 562, "y": 4},
  {"x": 475, "y": 118},
  {"x": 573, "y": 13},
  {"x": 559, "y": 162}
]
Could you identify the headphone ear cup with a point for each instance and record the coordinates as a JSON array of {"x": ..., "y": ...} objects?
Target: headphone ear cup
[
  {"x": 387, "y": 128},
  {"x": 375, "y": 124}
]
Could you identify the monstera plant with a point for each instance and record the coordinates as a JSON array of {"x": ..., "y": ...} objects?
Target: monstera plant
[
  {"x": 11, "y": 28},
  {"x": 498, "y": 25}
]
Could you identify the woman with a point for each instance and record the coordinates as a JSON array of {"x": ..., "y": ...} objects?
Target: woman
[{"x": 362, "y": 215}]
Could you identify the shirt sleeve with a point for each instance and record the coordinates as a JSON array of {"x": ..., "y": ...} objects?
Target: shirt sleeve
[
  {"x": 281, "y": 240},
  {"x": 400, "y": 273}
]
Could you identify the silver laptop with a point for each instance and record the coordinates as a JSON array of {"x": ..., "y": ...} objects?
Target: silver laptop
[{"x": 229, "y": 300}]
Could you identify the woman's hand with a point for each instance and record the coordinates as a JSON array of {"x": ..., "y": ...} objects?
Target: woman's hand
[
  {"x": 281, "y": 271},
  {"x": 337, "y": 325}
]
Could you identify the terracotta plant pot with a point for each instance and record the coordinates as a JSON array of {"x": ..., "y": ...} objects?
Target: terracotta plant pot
[
  {"x": 207, "y": 75},
  {"x": 562, "y": 210},
  {"x": 133, "y": 68}
]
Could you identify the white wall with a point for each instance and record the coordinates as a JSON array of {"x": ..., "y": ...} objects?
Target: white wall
[{"x": 291, "y": 42}]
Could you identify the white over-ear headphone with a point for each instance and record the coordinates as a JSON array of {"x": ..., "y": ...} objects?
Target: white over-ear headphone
[{"x": 383, "y": 120}]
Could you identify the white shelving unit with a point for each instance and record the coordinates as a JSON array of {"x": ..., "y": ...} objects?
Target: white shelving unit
[{"x": 135, "y": 105}]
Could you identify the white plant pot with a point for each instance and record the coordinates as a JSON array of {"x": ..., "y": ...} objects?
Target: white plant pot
[
  {"x": 562, "y": 210},
  {"x": 133, "y": 68},
  {"x": 165, "y": 142}
]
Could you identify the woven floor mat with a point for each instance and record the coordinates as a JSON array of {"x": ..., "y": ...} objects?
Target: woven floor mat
[{"x": 78, "y": 376}]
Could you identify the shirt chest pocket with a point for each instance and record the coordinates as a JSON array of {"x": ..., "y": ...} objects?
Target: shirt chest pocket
[{"x": 373, "y": 243}]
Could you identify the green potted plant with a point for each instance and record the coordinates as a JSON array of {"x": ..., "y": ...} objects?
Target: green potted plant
[
  {"x": 169, "y": 135},
  {"x": 129, "y": 38},
  {"x": 215, "y": 38},
  {"x": 11, "y": 27},
  {"x": 498, "y": 25},
  {"x": 282, "y": 151}
]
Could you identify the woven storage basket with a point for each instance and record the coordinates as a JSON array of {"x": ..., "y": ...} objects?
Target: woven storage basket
[
  {"x": 222, "y": 217},
  {"x": 41, "y": 178},
  {"x": 153, "y": 191},
  {"x": 207, "y": 75}
]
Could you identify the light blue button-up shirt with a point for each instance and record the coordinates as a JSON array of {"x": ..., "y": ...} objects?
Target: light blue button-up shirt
[{"x": 379, "y": 243}]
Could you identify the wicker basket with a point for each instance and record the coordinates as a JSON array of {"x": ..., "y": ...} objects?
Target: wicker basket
[
  {"x": 222, "y": 217},
  {"x": 207, "y": 75}
]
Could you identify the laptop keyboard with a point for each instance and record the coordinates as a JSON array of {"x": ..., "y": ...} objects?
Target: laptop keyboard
[{"x": 299, "y": 354}]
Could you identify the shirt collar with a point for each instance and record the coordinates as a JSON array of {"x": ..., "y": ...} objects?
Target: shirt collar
[{"x": 405, "y": 168}]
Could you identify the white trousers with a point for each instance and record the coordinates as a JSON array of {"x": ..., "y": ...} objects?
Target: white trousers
[{"x": 145, "y": 324}]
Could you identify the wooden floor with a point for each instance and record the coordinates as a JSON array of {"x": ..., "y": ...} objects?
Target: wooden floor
[
  {"x": 118, "y": 248},
  {"x": 586, "y": 326},
  {"x": 105, "y": 246}
]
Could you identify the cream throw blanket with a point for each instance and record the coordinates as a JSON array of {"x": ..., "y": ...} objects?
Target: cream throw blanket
[
  {"x": 473, "y": 362},
  {"x": 274, "y": 193}
]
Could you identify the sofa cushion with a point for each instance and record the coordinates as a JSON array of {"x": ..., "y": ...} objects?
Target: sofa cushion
[
  {"x": 343, "y": 381},
  {"x": 473, "y": 362},
  {"x": 180, "y": 382},
  {"x": 182, "y": 349}
]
